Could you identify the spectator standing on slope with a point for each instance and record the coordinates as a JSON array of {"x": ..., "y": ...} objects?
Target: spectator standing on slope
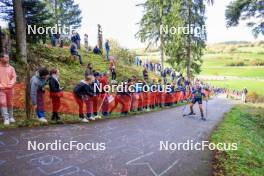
[{"x": 7, "y": 83}]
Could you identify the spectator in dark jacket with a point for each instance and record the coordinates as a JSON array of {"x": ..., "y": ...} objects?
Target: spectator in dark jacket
[
  {"x": 74, "y": 52},
  {"x": 145, "y": 74},
  {"x": 78, "y": 40},
  {"x": 97, "y": 50},
  {"x": 84, "y": 93},
  {"x": 107, "y": 48},
  {"x": 55, "y": 93}
]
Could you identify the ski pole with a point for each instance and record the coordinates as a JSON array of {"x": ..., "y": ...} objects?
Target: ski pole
[
  {"x": 206, "y": 110},
  {"x": 100, "y": 107}
]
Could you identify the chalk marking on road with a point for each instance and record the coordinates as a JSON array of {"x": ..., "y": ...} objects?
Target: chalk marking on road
[
  {"x": 76, "y": 170},
  {"x": 199, "y": 136},
  {"x": 16, "y": 141},
  {"x": 15, "y": 144},
  {"x": 28, "y": 155},
  {"x": 132, "y": 162},
  {"x": 2, "y": 162},
  {"x": 143, "y": 163},
  {"x": 2, "y": 143},
  {"x": 51, "y": 160},
  {"x": 88, "y": 172},
  {"x": 171, "y": 166}
]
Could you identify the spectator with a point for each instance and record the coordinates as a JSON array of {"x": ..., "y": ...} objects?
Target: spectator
[
  {"x": 97, "y": 92},
  {"x": 97, "y": 50},
  {"x": 7, "y": 82},
  {"x": 55, "y": 93},
  {"x": 105, "y": 105},
  {"x": 86, "y": 42},
  {"x": 107, "y": 48},
  {"x": 244, "y": 95},
  {"x": 173, "y": 75},
  {"x": 164, "y": 76},
  {"x": 112, "y": 69},
  {"x": 89, "y": 70},
  {"x": 78, "y": 40},
  {"x": 37, "y": 92},
  {"x": 145, "y": 74},
  {"x": 83, "y": 93},
  {"x": 74, "y": 52}
]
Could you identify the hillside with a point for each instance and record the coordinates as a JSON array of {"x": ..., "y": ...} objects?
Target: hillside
[{"x": 70, "y": 69}]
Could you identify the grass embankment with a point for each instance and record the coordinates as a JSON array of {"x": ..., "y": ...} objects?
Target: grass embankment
[{"x": 243, "y": 125}]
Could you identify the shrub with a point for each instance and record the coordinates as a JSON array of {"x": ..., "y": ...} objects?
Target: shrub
[
  {"x": 236, "y": 63},
  {"x": 230, "y": 49},
  {"x": 253, "y": 97},
  {"x": 257, "y": 62}
]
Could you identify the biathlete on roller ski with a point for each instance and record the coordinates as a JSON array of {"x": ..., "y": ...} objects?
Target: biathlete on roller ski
[{"x": 197, "y": 96}]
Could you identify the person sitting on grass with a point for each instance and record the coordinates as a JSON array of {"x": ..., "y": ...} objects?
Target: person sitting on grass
[
  {"x": 97, "y": 50},
  {"x": 7, "y": 83},
  {"x": 83, "y": 93},
  {"x": 74, "y": 52},
  {"x": 55, "y": 93},
  {"x": 37, "y": 92}
]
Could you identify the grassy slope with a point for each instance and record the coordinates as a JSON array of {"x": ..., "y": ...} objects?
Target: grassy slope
[
  {"x": 71, "y": 71},
  {"x": 243, "y": 125}
]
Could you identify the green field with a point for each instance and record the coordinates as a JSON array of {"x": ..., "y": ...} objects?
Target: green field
[
  {"x": 217, "y": 61},
  {"x": 251, "y": 72},
  {"x": 252, "y": 85}
]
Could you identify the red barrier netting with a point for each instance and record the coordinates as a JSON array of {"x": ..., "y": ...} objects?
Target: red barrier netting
[{"x": 106, "y": 102}]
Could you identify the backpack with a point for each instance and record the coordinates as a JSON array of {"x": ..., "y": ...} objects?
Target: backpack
[{"x": 78, "y": 88}]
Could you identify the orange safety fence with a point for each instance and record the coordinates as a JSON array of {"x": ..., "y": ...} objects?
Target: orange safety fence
[{"x": 118, "y": 103}]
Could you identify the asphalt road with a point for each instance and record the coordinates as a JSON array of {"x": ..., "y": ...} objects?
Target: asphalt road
[{"x": 132, "y": 146}]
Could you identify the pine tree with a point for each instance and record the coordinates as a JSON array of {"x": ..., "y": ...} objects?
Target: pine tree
[
  {"x": 66, "y": 12},
  {"x": 250, "y": 11},
  {"x": 155, "y": 12},
  {"x": 35, "y": 12},
  {"x": 186, "y": 50}
]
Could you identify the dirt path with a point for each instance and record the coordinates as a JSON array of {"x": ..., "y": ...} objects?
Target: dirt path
[{"x": 132, "y": 146}]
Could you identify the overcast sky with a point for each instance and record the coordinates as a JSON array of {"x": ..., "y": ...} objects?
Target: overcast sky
[{"x": 119, "y": 20}]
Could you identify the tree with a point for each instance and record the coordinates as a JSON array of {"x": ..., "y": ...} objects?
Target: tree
[
  {"x": 66, "y": 12},
  {"x": 155, "y": 12},
  {"x": 185, "y": 50},
  {"x": 21, "y": 44},
  {"x": 251, "y": 11},
  {"x": 21, "y": 47},
  {"x": 35, "y": 12}
]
